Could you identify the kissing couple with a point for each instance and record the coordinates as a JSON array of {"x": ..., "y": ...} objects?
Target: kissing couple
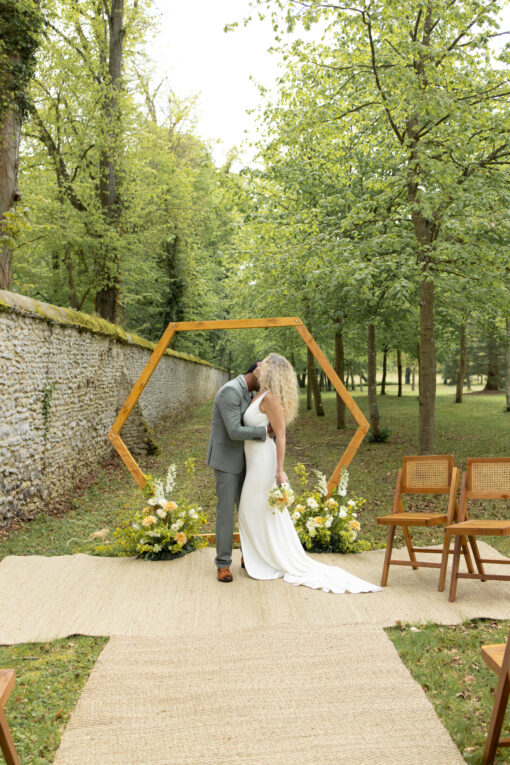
[{"x": 247, "y": 452}]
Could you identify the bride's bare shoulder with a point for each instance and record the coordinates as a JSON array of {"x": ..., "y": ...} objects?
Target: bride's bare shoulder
[{"x": 268, "y": 402}]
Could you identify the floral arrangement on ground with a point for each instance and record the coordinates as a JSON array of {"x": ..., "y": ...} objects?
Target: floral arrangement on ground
[
  {"x": 163, "y": 528},
  {"x": 323, "y": 524}
]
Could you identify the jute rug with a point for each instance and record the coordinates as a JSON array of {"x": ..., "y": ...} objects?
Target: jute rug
[
  {"x": 45, "y": 598},
  {"x": 276, "y": 694}
]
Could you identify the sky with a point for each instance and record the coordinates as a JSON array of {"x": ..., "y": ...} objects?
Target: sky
[{"x": 199, "y": 58}]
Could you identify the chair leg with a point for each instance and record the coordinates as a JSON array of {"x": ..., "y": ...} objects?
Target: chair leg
[
  {"x": 387, "y": 557},
  {"x": 476, "y": 555},
  {"x": 455, "y": 569},
  {"x": 467, "y": 555},
  {"x": 6, "y": 742},
  {"x": 444, "y": 561},
  {"x": 407, "y": 537},
  {"x": 497, "y": 717}
]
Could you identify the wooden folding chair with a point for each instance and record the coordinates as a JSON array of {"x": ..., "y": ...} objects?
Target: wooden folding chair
[
  {"x": 484, "y": 478},
  {"x": 7, "y": 680},
  {"x": 433, "y": 474},
  {"x": 497, "y": 657}
]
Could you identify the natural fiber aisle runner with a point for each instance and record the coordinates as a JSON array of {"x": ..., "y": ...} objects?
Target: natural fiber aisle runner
[
  {"x": 45, "y": 598},
  {"x": 274, "y": 695}
]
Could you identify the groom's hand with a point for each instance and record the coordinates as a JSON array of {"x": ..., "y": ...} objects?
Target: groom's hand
[{"x": 270, "y": 432}]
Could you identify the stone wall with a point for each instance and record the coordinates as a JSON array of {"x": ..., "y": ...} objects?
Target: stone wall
[{"x": 63, "y": 378}]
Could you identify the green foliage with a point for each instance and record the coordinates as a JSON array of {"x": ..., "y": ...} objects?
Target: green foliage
[
  {"x": 21, "y": 22},
  {"x": 381, "y": 437}
]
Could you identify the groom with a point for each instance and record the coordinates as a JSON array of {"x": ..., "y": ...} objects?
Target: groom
[{"x": 226, "y": 456}]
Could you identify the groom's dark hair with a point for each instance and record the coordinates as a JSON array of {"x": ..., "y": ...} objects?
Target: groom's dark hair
[{"x": 253, "y": 367}]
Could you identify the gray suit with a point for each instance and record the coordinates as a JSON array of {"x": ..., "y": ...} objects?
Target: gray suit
[{"x": 226, "y": 455}]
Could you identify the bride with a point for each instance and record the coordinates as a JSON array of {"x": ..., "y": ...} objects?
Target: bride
[{"x": 270, "y": 544}]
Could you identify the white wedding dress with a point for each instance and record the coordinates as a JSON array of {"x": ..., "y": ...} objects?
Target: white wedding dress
[{"x": 270, "y": 544}]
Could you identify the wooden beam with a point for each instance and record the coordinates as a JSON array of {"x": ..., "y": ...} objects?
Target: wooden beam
[
  {"x": 351, "y": 405},
  {"x": 142, "y": 381},
  {"x": 127, "y": 458},
  {"x": 188, "y": 326}
]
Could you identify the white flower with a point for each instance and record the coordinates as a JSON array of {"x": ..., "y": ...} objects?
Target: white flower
[
  {"x": 170, "y": 479},
  {"x": 156, "y": 548},
  {"x": 322, "y": 483},
  {"x": 135, "y": 526},
  {"x": 160, "y": 512},
  {"x": 152, "y": 501},
  {"x": 177, "y": 525},
  {"x": 328, "y": 521},
  {"x": 296, "y": 515},
  {"x": 342, "y": 492},
  {"x": 310, "y": 525},
  {"x": 342, "y": 512},
  {"x": 351, "y": 503},
  {"x": 311, "y": 502},
  {"x": 159, "y": 495}
]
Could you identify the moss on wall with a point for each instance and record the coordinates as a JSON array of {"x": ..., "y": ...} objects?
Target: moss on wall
[{"x": 12, "y": 302}]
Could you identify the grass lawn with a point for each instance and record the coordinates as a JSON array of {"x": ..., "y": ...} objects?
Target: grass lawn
[
  {"x": 49, "y": 680},
  {"x": 478, "y": 427},
  {"x": 447, "y": 662}
]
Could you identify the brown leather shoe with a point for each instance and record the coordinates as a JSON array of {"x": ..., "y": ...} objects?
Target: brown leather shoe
[
  {"x": 242, "y": 562},
  {"x": 224, "y": 574}
]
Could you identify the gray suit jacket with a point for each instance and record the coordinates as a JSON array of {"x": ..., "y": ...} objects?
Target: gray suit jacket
[{"x": 226, "y": 450}]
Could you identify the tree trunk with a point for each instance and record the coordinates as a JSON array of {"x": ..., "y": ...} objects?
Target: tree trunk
[
  {"x": 384, "y": 370},
  {"x": 308, "y": 388},
  {"x": 371, "y": 382},
  {"x": 10, "y": 136},
  {"x": 413, "y": 378},
  {"x": 492, "y": 363},
  {"x": 507, "y": 385},
  {"x": 462, "y": 365},
  {"x": 351, "y": 374},
  {"x": 360, "y": 377},
  {"x": 427, "y": 361},
  {"x": 399, "y": 372},
  {"x": 108, "y": 270},
  {"x": 312, "y": 376},
  {"x": 340, "y": 370}
]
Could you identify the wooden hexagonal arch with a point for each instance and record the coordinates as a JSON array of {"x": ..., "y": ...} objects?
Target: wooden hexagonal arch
[{"x": 189, "y": 326}]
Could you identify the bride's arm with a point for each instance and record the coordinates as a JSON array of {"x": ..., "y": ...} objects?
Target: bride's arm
[{"x": 272, "y": 407}]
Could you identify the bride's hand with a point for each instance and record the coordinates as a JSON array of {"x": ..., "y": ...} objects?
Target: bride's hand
[{"x": 281, "y": 477}]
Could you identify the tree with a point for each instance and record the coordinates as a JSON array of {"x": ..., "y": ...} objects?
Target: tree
[
  {"x": 420, "y": 80},
  {"x": 20, "y": 26}
]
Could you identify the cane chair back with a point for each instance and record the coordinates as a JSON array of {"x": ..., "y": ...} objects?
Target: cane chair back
[
  {"x": 488, "y": 478},
  {"x": 426, "y": 475},
  {"x": 484, "y": 478}
]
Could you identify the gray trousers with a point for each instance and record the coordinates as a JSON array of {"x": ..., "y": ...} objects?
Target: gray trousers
[{"x": 228, "y": 491}]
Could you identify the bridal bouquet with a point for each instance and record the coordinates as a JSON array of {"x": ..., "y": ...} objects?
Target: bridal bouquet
[
  {"x": 281, "y": 496},
  {"x": 327, "y": 524},
  {"x": 163, "y": 528}
]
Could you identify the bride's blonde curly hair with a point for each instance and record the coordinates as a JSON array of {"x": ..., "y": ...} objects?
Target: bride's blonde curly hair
[{"x": 278, "y": 375}]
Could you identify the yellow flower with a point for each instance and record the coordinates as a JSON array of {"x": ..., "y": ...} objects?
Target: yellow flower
[
  {"x": 319, "y": 520},
  {"x": 181, "y": 538},
  {"x": 148, "y": 520},
  {"x": 147, "y": 509},
  {"x": 355, "y": 525},
  {"x": 169, "y": 506}
]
